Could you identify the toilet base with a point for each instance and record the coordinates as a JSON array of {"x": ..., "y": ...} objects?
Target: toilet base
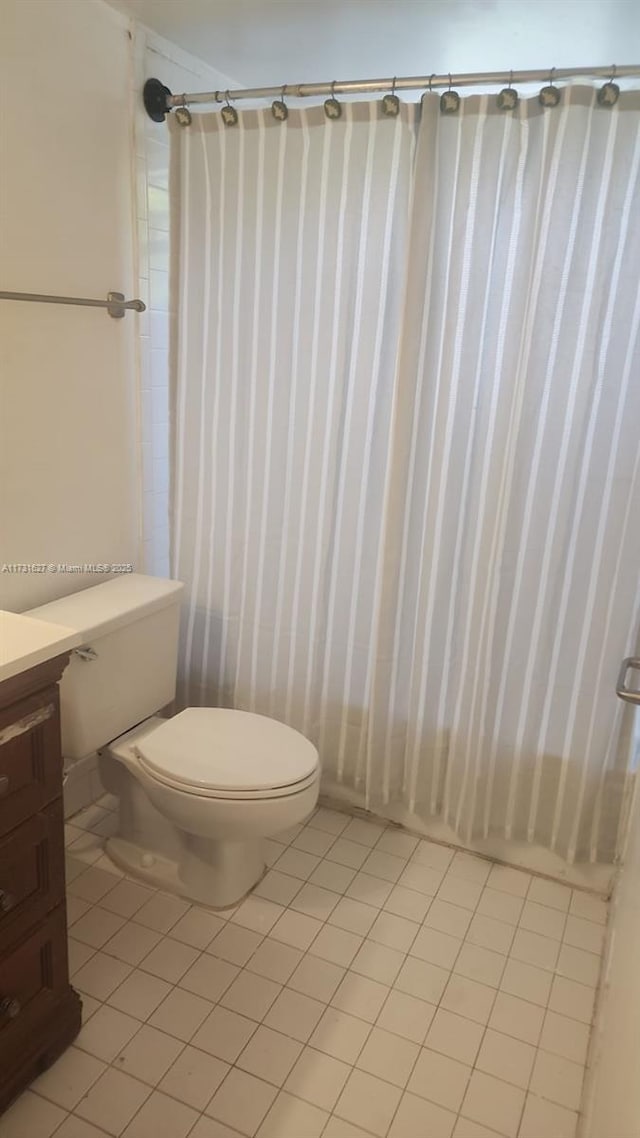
[{"x": 214, "y": 874}]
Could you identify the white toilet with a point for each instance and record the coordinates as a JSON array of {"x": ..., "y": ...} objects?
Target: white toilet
[{"x": 199, "y": 792}]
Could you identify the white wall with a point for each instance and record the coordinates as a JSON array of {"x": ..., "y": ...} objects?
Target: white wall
[
  {"x": 156, "y": 58},
  {"x": 612, "y": 1096},
  {"x": 68, "y": 450}
]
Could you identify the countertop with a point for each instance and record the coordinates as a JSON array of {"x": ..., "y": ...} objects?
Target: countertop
[{"x": 26, "y": 642}]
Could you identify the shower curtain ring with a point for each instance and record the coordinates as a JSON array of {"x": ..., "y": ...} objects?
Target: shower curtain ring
[
  {"x": 229, "y": 113},
  {"x": 279, "y": 108},
  {"x": 449, "y": 100},
  {"x": 183, "y": 114},
  {"x": 430, "y": 87},
  {"x": 609, "y": 93},
  {"x": 549, "y": 96},
  {"x": 507, "y": 99},
  {"x": 391, "y": 103},
  {"x": 332, "y": 108}
]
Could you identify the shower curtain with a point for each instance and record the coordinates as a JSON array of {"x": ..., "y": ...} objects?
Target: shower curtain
[{"x": 406, "y": 467}]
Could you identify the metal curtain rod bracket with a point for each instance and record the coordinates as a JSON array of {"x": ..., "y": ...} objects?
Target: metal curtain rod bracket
[
  {"x": 159, "y": 100},
  {"x": 115, "y": 303}
]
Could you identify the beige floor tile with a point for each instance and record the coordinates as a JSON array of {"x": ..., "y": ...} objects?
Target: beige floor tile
[
  {"x": 314, "y": 901},
  {"x": 295, "y": 1014},
  {"x": 318, "y": 1078},
  {"x": 107, "y": 1032},
  {"x": 250, "y": 995},
  {"x": 506, "y": 1058},
  {"x": 468, "y": 998},
  {"x": 31, "y": 1117},
  {"x": 436, "y": 947},
  {"x": 340, "y": 1035},
  {"x": 415, "y": 1116},
  {"x": 132, "y": 943},
  {"x": 378, "y": 962},
  {"x": 455, "y": 1036},
  {"x": 269, "y": 1055},
  {"x": 421, "y": 979},
  {"x": 258, "y": 914},
  {"x": 224, "y": 1034},
  {"x": 440, "y": 1079},
  {"x": 242, "y": 1101},
  {"x": 359, "y": 996},
  {"x": 353, "y": 915},
  {"x": 296, "y": 929},
  {"x": 140, "y": 994},
  {"x": 388, "y": 1057},
  {"x": 113, "y": 1101},
  {"x": 336, "y": 945},
  {"x": 406, "y": 1016},
  {"x": 235, "y": 944},
  {"x": 197, "y": 928},
  {"x": 316, "y": 977},
  {"x": 149, "y": 1055},
  {"x": 278, "y": 887},
  {"x": 70, "y": 1077},
  {"x": 275, "y": 960},
  {"x": 290, "y": 1117},
  {"x": 368, "y": 1101},
  {"x": 97, "y": 926},
  {"x": 517, "y": 1017},
  {"x": 370, "y": 890},
  {"x": 331, "y": 875},
  {"x": 209, "y": 977},
  {"x": 161, "y": 912},
  {"x": 566, "y": 1037},
  {"x": 161, "y": 1117},
  {"x": 547, "y": 1118},
  {"x": 557, "y": 1079},
  {"x": 180, "y": 1014},
  {"x": 170, "y": 959},
  {"x": 101, "y": 975},
  {"x": 494, "y": 1104}
]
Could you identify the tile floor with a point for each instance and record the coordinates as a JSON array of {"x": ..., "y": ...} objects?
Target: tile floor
[{"x": 373, "y": 984}]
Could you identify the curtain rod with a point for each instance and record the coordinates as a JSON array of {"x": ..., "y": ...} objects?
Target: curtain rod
[
  {"x": 159, "y": 100},
  {"x": 115, "y": 304}
]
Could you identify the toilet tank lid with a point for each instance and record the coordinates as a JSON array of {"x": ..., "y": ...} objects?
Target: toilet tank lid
[{"x": 104, "y": 608}]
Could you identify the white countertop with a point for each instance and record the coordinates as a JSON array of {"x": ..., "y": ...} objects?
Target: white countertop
[{"x": 26, "y": 642}]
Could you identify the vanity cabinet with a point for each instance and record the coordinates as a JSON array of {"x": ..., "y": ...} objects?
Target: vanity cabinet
[{"x": 39, "y": 1010}]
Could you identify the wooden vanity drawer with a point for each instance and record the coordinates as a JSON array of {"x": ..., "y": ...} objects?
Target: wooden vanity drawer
[
  {"x": 33, "y": 978},
  {"x": 30, "y": 757},
  {"x": 31, "y": 873}
]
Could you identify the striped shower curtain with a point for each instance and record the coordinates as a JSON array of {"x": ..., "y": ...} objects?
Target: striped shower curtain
[{"x": 406, "y": 461}]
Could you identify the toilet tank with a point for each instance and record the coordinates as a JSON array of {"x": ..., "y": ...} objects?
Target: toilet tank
[{"x": 125, "y": 669}]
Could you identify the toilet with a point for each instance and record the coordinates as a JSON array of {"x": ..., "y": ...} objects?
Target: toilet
[{"x": 199, "y": 792}]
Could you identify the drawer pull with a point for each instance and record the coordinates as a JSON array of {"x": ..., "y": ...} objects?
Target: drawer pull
[
  {"x": 27, "y": 723},
  {"x": 4, "y": 785},
  {"x": 9, "y": 1007},
  {"x": 7, "y": 901}
]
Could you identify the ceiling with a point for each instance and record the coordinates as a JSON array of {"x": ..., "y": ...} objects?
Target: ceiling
[{"x": 269, "y": 42}]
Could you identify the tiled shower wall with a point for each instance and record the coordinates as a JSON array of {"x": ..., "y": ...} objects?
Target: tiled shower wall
[{"x": 156, "y": 57}]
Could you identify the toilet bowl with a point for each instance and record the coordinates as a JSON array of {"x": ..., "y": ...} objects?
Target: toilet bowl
[
  {"x": 199, "y": 792},
  {"x": 214, "y": 784}
]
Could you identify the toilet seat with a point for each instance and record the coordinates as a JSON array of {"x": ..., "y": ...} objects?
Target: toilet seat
[{"x": 221, "y": 753}]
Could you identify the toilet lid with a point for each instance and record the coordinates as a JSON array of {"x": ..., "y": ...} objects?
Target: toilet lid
[{"x": 218, "y": 749}]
